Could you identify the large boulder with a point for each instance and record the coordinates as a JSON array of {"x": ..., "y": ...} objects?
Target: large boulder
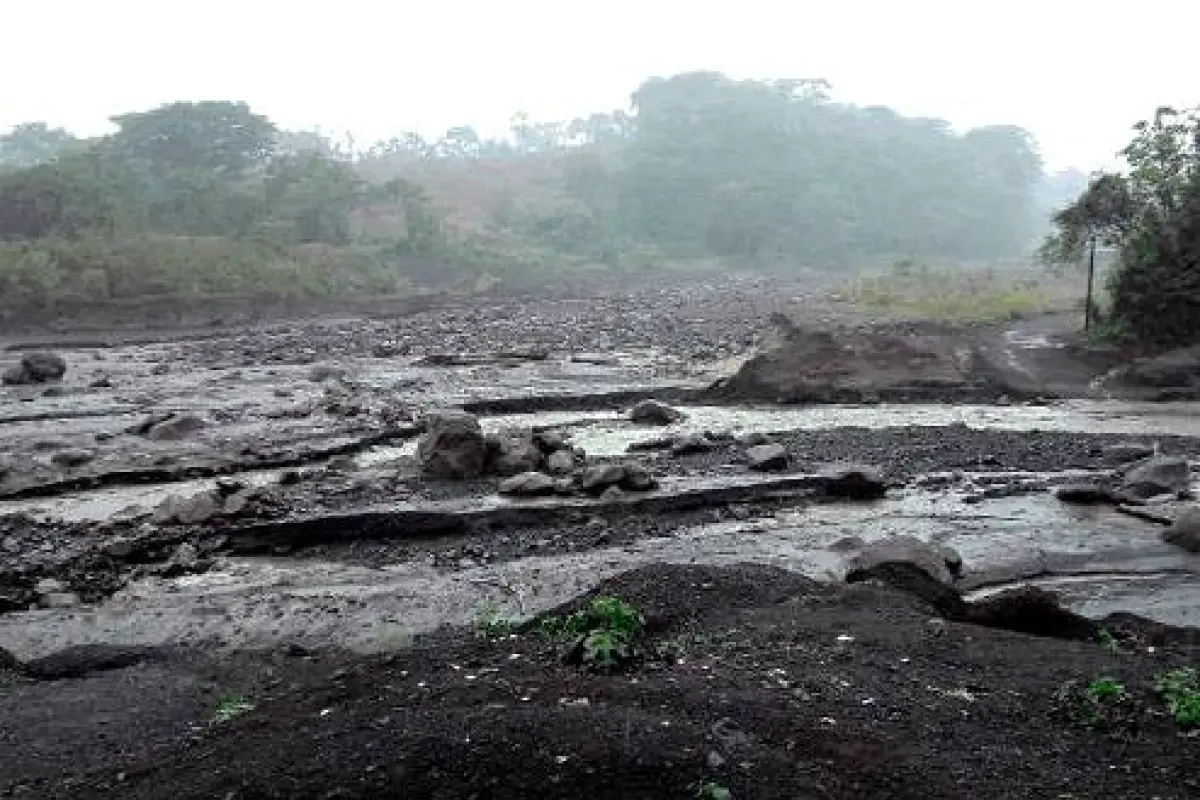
[
  {"x": 513, "y": 453},
  {"x": 1185, "y": 530},
  {"x": 652, "y": 412},
  {"x": 453, "y": 447},
  {"x": 1157, "y": 475},
  {"x": 36, "y": 368}
]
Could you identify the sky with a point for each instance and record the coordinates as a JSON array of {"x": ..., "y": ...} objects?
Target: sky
[{"x": 1076, "y": 74}]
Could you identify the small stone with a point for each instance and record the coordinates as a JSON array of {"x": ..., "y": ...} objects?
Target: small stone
[
  {"x": 528, "y": 484},
  {"x": 560, "y": 462},
  {"x": 691, "y": 444},
  {"x": 49, "y": 586},
  {"x": 72, "y": 458},
  {"x": 652, "y": 412},
  {"x": 59, "y": 600},
  {"x": 767, "y": 458}
]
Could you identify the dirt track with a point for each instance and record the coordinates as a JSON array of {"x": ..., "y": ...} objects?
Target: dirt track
[{"x": 330, "y": 541}]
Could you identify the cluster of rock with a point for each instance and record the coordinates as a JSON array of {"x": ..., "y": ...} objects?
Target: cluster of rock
[
  {"x": 1143, "y": 477},
  {"x": 532, "y": 462},
  {"x": 36, "y": 368}
]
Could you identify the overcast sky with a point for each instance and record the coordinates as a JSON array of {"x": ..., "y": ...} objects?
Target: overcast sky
[{"x": 1075, "y": 73}]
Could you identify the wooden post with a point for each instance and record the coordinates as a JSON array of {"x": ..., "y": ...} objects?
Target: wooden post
[{"x": 1088, "y": 306}]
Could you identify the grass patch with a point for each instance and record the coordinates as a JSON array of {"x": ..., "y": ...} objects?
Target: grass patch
[
  {"x": 953, "y": 295},
  {"x": 49, "y": 271},
  {"x": 230, "y": 707},
  {"x": 1180, "y": 691},
  {"x": 490, "y": 625},
  {"x": 711, "y": 790}
]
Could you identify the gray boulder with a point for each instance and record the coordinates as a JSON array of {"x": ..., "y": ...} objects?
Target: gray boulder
[
  {"x": 1157, "y": 475},
  {"x": 1185, "y": 530},
  {"x": 453, "y": 447}
]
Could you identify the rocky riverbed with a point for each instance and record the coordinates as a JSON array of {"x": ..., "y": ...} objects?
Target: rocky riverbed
[{"x": 190, "y": 509}]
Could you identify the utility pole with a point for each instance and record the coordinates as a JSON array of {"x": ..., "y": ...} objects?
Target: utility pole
[{"x": 1087, "y": 306}]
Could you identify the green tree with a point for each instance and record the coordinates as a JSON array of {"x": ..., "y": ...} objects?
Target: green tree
[
  {"x": 33, "y": 143},
  {"x": 1151, "y": 212}
]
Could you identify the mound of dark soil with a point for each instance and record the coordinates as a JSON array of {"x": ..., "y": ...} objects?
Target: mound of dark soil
[
  {"x": 850, "y": 364},
  {"x": 774, "y": 687}
]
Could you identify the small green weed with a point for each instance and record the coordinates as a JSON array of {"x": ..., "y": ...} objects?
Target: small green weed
[
  {"x": 710, "y": 790},
  {"x": 1102, "y": 704},
  {"x": 602, "y": 633},
  {"x": 1108, "y": 640},
  {"x": 490, "y": 625},
  {"x": 1180, "y": 690},
  {"x": 230, "y": 707}
]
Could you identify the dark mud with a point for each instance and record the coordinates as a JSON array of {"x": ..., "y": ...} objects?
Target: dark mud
[{"x": 767, "y": 685}]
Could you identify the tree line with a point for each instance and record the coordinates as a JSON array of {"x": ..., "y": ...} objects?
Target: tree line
[{"x": 699, "y": 165}]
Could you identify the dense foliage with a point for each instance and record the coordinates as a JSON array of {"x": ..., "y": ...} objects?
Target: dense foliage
[
  {"x": 700, "y": 166},
  {"x": 1151, "y": 213}
]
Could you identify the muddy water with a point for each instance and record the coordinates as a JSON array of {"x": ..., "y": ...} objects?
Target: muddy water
[
  {"x": 611, "y": 434},
  {"x": 259, "y": 602}
]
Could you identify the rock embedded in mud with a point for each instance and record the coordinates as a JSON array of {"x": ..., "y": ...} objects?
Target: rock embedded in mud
[
  {"x": 595, "y": 480},
  {"x": 529, "y": 484},
  {"x": 692, "y": 444},
  {"x": 767, "y": 458},
  {"x": 327, "y": 372},
  {"x": 36, "y": 368},
  {"x": 1085, "y": 493},
  {"x": 1158, "y": 475},
  {"x": 453, "y": 447},
  {"x": 631, "y": 478},
  {"x": 938, "y": 561},
  {"x": 72, "y": 458},
  {"x": 560, "y": 462},
  {"x": 853, "y": 482},
  {"x": 1185, "y": 530},
  {"x": 175, "y": 428},
  {"x": 188, "y": 510},
  {"x": 652, "y": 412}
]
